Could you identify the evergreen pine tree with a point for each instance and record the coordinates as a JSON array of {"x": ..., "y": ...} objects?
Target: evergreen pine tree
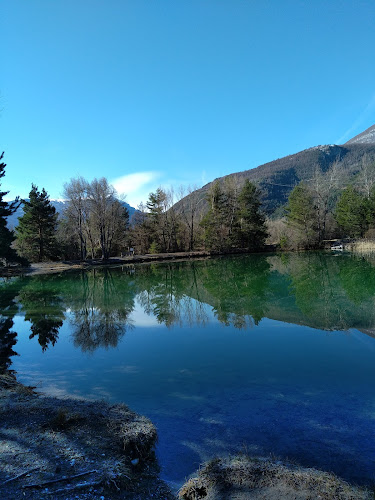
[
  {"x": 352, "y": 212},
  {"x": 214, "y": 222},
  {"x": 37, "y": 227},
  {"x": 251, "y": 229},
  {"x": 156, "y": 221},
  {"x": 301, "y": 214},
  {"x": 7, "y": 253}
]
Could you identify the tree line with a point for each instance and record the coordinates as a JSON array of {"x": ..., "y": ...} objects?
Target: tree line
[
  {"x": 95, "y": 223},
  {"x": 324, "y": 209},
  {"x": 234, "y": 219}
]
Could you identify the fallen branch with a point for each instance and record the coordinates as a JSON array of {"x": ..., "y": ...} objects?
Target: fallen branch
[
  {"x": 15, "y": 454},
  {"x": 19, "y": 475},
  {"x": 114, "y": 482},
  {"x": 52, "y": 481},
  {"x": 78, "y": 486},
  {"x": 22, "y": 453}
]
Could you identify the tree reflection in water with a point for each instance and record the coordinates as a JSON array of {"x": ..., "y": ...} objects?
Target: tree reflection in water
[
  {"x": 165, "y": 293},
  {"x": 8, "y": 338},
  {"x": 325, "y": 291},
  {"x": 312, "y": 289},
  {"x": 100, "y": 309},
  {"x": 44, "y": 308}
]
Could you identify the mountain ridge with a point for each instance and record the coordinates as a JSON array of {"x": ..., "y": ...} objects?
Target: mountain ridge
[
  {"x": 277, "y": 178},
  {"x": 365, "y": 137}
]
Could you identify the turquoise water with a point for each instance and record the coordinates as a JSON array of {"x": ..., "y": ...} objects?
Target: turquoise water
[{"x": 272, "y": 355}]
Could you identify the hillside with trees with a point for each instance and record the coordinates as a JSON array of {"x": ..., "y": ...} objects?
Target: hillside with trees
[{"x": 277, "y": 178}]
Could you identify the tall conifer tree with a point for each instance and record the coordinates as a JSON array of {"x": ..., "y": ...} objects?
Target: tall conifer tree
[
  {"x": 215, "y": 223},
  {"x": 156, "y": 221},
  {"x": 301, "y": 213},
  {"x": 251, "y": 229},
  {"x": 7, "y": 253},
  {"x": 352, "y": 212},
  {"x": 36, "y": 230}
]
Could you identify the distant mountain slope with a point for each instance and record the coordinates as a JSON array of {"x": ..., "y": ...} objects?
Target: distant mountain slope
[
  {"x": 59, "y": 205},
  {"x": 366, "y": 137},
  {"x": 277, "y": 178}
]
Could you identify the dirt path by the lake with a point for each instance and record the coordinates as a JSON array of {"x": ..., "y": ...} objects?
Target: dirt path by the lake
[
  {"x": 52, "y": 267},
  {"x": 66, "y": 265}
]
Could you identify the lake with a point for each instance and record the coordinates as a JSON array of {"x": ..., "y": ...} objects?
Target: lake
[{"x": 272, "y": 355}]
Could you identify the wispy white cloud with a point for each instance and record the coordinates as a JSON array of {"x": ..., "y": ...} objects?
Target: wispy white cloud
[
  {"x": 357, "y": 123},
  {"x": 142, "y": 319},
  {"x": 136, "y": 187}
]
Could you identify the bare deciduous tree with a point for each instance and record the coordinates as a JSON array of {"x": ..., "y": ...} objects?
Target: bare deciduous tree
[
  {"x": 324, "y": 187},
  {"x": 94, "y": 214},
  {"x": 189, "y": 206},
  {"x": 107, "y": 215},
  {"x": 76, "y": 211},
  {"x": 367, "y": 176}
]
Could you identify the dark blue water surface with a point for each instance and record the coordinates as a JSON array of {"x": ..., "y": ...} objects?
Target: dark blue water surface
[{"x": 272, "y": 355}]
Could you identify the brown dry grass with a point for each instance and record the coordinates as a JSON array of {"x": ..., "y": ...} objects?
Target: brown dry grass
[
  {"x": 250, "y": 478},
  {"x": 363, "y": 246},
  {"x": 46, "y": 438}
]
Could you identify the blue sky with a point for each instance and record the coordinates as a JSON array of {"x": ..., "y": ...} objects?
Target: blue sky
[{"x": 170, "y": 92}]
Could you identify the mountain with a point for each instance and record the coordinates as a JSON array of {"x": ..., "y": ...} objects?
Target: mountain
[
  {"x": 277, "y": 178},
  {"x": 59, "y": 206},
  {"x": 366, "y": 137}
]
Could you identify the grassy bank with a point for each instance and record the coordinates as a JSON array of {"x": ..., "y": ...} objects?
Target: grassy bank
[
  {"x": 71, "y": 448},
  {"x": 362, "y": 246},
  {"x": 244, "y": 478},
  {"x": 65, "y": 448}
]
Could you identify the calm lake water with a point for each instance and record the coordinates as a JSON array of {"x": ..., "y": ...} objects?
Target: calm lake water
[{"x": 268, "y": 354}]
